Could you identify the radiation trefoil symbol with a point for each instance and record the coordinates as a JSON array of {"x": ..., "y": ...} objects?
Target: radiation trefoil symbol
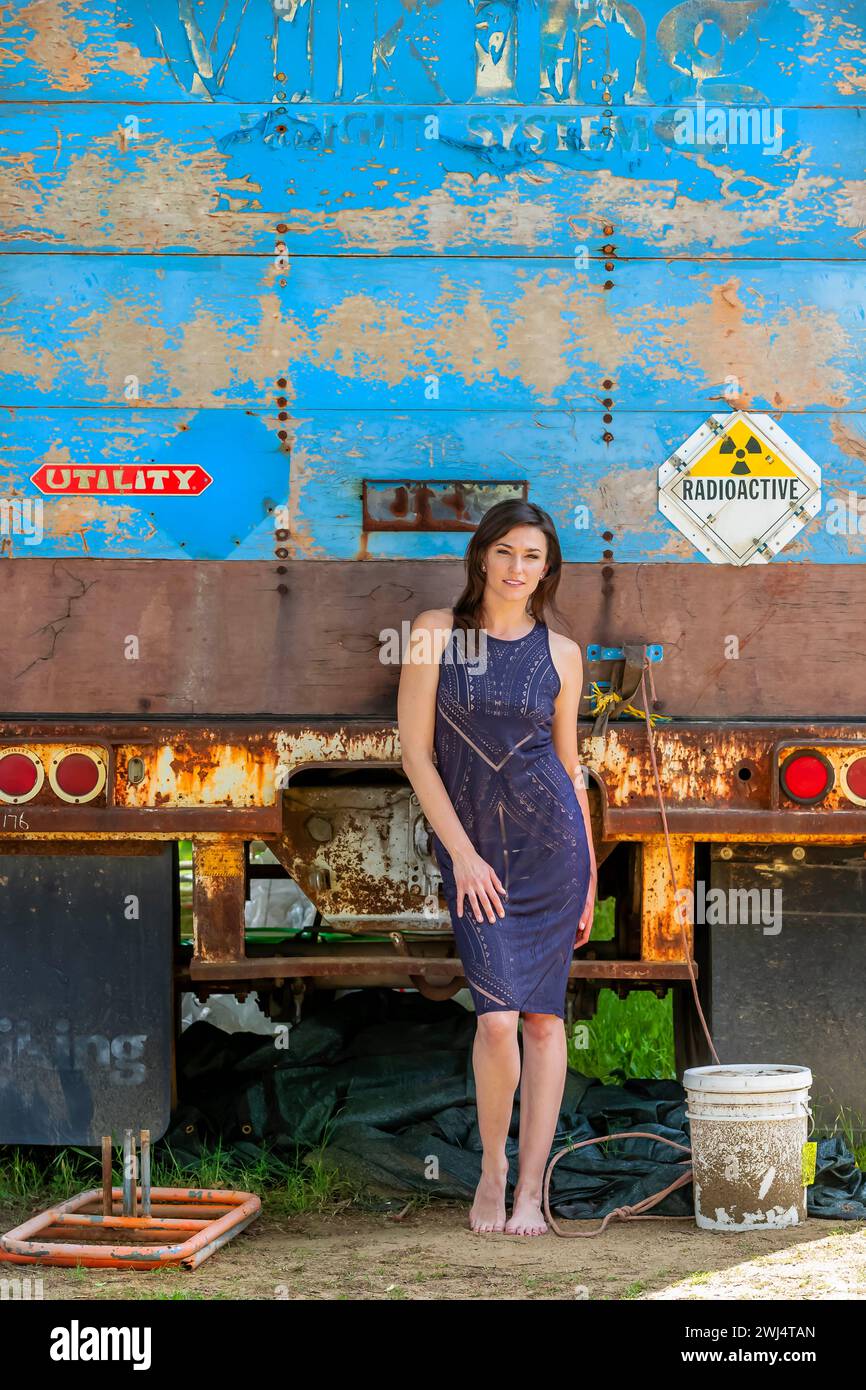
[{"x": 739, "y": 488}]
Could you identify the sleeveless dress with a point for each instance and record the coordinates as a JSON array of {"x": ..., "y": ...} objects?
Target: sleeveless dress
[{"x": 516, "y": 802}]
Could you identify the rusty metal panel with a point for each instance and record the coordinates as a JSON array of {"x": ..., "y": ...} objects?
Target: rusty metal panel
[
  {"x": 218, "y": 896},
  {"x": 85, "y": 996},
  {"x": 666, "y": 933},
  {"x": 309, "y": 640},
  {"x": 435, "y": 505},
  {"x": 363, "y": 856}
]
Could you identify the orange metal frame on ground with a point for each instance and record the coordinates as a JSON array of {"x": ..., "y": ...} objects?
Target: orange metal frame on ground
[{"x": 205, "y": 1220}]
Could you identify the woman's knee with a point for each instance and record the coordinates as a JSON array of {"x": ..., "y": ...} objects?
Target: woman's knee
[
  {"x": 498, "y": 1026},
  {"x": 542, "y": 1027}
]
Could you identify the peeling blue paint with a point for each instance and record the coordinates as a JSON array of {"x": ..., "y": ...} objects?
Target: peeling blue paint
[
  {"x": 471, "y": 181},
  {"x": 343, "y": 240},
  {"x": 417, "y": 50}
]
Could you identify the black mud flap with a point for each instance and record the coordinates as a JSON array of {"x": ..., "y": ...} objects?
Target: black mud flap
[
  {"x": 86, "y": 1012},
  {"x": 787, "y": 975}
]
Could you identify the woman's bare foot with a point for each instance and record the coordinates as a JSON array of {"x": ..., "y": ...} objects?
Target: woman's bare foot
[
  {"x": 488, "y": 1209},
  {"x": 526, "y": 1216}
]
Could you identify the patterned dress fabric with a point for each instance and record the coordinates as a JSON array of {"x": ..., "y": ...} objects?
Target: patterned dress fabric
[{"x": 516, "y": 802}]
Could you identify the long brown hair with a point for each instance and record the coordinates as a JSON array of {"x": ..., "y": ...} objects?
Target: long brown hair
[{"x": 494, "y": 524}]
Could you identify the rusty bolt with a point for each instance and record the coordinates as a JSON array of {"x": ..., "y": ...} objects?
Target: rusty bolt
[
  {"x": 282, "y": 588},
  {"x": 606, "y": 400},
  {"x": 282, "y": 434},
  {"x": 608, "y": 265},
  {"x": 607, "y": 229},
  {"x": 607, "y": 572},
  {"x": 607, "y": 554},
  {"x": 607, "y": 383},
  {"x": 608, "y": 419},
  {"x": 281, "y": 401},
  {"x": 607, "y": 436},
  {"x": 281, "y": 381},
  {"x": 798, "y": 852},
  {"x": 281, "y": 77},
  {"x": 609, "y": 249},
  {"x": 608, "y": 285},
  {"x": 282, "y": 227},
  {"x": 283, "y": 415},
  {"x": 282, "y": 535},
  {"x": 282, "y": 553},
  {"x": 726, "y": 852}
]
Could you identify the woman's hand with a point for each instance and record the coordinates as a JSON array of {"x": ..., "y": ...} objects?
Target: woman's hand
[
  {"x": 478, "y": 882},
  {"x": 584, "y": 926}
]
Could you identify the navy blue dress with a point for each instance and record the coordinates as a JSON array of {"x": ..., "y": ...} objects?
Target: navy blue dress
[{"x": 516, "y": 802}]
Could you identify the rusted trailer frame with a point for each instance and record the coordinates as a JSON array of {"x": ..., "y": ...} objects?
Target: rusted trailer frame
[{"x": 224, "y": 783}]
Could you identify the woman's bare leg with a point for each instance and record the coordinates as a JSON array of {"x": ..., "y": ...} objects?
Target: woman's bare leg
[
  {"x": 496, "y": 1062},
  {"x": 541, "y": 1086}
]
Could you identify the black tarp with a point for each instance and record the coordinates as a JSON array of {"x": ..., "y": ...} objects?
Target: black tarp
[{"x": 383, "y": 1080}]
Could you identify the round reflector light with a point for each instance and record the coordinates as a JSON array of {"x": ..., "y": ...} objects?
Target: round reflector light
[
  {"x": 807, "y": 777},
  {"x": 21, "y": 776},
  {"x": 854, "y": 780},
  {"x": 77, "y": 775}
]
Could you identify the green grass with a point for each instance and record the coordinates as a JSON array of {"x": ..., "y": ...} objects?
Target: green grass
[
  {"x": 50, "y": 1175},
  {"x": 627, "y": 1037},
  {"x": 847, "y": 1126}
]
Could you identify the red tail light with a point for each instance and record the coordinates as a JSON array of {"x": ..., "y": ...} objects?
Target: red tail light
[
  {"x": 21, "y": 776},
  {"x": 854, "y": 780},
  {"x": 77, "y": 776},
  {"x": 807, "y": 777}
]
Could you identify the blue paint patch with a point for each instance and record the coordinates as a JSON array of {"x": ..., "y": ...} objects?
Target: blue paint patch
[{"x": 373, "y": 333}]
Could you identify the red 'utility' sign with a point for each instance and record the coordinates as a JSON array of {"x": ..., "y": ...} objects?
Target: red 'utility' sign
[{"x": 129, "y": 479}]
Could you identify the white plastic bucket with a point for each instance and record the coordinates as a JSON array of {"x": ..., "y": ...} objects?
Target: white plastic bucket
[{"x": 749, "y": 1122}]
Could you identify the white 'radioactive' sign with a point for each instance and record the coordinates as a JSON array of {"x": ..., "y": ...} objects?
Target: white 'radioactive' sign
[{"x": 739, "y": 488}]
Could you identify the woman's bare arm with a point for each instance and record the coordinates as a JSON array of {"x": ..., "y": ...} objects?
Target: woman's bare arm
[
  {"x": 569, "y": 665},
  {"x": 416, "y": 721}
]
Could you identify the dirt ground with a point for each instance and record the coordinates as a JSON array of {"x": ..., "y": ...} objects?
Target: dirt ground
[{"x": 431, "y": 1254}]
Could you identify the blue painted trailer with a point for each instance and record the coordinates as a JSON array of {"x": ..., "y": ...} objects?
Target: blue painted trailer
[{"x": 290, "y": 293}]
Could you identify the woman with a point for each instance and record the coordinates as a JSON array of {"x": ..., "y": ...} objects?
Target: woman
[{"x": 495, "y": 693}]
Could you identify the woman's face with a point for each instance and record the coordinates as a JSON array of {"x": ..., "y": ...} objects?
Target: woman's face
[{"x": 516, "y": 562}]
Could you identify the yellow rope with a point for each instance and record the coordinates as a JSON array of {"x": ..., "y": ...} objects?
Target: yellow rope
[{"x": 605, "y": 698}]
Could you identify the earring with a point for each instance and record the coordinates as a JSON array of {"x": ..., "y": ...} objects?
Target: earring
[{"x": 483, "y": 569}]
